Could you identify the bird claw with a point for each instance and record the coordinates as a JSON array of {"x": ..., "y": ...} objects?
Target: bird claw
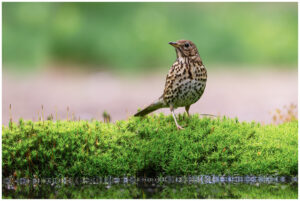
[{"x": 179, "y": 127}]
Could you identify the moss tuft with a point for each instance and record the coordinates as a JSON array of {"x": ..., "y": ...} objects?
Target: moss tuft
[{"x": 149, "y": 146}]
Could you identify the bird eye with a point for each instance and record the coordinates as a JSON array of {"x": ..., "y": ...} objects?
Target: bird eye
[{"x": 186, "y": 45}]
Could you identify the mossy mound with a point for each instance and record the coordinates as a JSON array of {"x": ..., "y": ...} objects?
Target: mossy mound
[{"x": 150, "y": 146}]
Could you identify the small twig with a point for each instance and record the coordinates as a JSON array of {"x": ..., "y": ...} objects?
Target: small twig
[
  {"x": 68, "y": 113},
  {"x": 10, "y": 117},
  {"x": 211, "y": 115},
  {"x": 10, "y": 113},
  {"x": 43, "y": 113},
  {"x": 39, "y": 117},
  {"x": 56, "y": 113}
]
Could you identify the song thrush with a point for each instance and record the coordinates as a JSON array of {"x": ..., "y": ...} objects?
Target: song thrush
[{"x": 185, "y": 82}]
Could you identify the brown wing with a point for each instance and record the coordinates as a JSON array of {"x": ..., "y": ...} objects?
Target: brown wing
[{"x": 170, "y": 79}]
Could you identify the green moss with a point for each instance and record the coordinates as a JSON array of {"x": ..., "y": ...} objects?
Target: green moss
[{"x": 149, "y": 146}]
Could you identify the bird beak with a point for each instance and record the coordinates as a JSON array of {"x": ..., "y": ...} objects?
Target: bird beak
[{"x": 174, "y": 44}]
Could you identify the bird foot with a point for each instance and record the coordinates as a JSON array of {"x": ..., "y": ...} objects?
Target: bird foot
[{"x": 179, "y": 127}]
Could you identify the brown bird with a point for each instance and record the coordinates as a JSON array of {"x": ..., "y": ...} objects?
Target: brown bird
[{"x": 185, "y": 82}]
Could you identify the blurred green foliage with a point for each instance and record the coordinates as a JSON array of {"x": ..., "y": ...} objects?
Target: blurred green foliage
[{"x": 136, "y": 35}]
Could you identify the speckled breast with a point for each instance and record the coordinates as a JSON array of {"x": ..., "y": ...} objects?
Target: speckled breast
[{"x": 188, "y": 92}]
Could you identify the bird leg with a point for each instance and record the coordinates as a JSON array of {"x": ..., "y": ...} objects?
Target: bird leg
[
  {"x": 177, "y": 125},
  {"x": 187, "y": 108}
]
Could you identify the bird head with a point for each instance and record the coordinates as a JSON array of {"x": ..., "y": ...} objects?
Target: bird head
[{"x": 185, "y": 48}]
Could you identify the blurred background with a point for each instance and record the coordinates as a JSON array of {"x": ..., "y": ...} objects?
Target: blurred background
[{"x": 113, "y": 57}]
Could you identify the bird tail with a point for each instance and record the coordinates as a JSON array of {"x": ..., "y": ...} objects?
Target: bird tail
[{"x": 152, "y": 107}]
